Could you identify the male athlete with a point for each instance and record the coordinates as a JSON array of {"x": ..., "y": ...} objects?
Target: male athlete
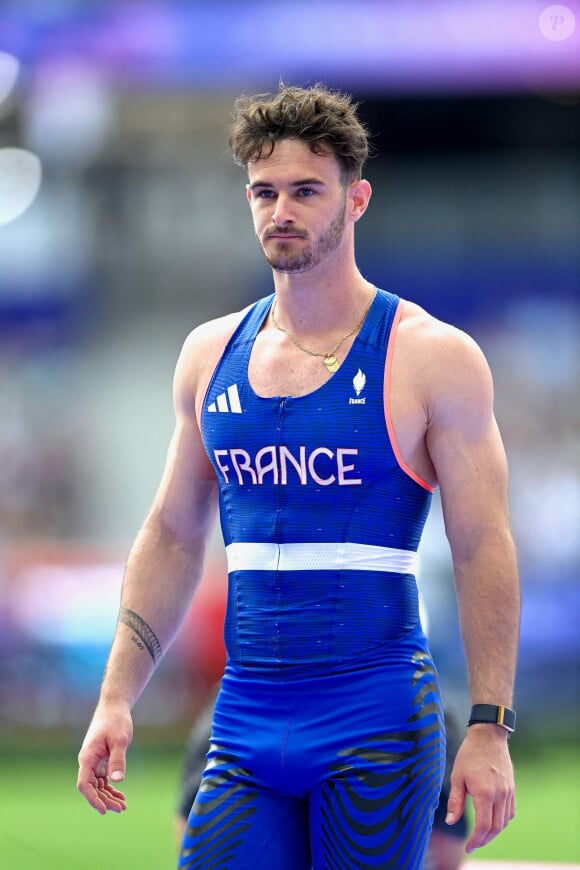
[{"x": 321, "y": 418}]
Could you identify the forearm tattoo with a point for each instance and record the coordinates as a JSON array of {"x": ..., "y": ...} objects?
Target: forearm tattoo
[{"x": 144, "y": 637}]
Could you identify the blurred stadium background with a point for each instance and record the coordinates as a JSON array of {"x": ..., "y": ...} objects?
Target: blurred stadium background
[{"x": 123, "y": 225}]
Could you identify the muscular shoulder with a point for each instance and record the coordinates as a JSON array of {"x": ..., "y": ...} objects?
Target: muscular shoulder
[
  {"x": 207, "y": 341},
  {"x": 199, "y": 356},
  {"x": 447, "y": 362}
]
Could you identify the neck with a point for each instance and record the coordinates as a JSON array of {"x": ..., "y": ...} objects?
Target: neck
[{"x": 313, "y": 305}]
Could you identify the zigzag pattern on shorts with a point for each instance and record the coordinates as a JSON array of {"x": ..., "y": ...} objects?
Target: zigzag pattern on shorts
[
  {"x": 396, "y": 779},
  {"x": 220, "y": 821}
]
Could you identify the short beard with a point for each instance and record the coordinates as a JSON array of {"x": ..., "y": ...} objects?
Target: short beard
[{"x": 315, "y": 254}]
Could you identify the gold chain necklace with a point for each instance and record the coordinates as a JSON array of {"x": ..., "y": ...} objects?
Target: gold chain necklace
[{"x": 329, "y": 358}]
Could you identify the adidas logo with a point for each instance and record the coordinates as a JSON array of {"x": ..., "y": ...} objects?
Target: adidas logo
[{"x": 227, "y": 402}]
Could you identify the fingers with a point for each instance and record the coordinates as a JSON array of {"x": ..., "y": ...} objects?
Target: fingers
[
  {"x": 491, "y": 817},
  {"x": 455, "y": 805},
  {"x": 117, "y": 766},
  {"x": 93, "y": 783},
  {"x": 102, "y": 796},
  {"x": 113, "y": 799},
  {"x": 481, "y": 833}
]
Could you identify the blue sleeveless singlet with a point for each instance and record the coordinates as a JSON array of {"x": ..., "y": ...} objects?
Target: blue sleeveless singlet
[{"x": 328, "y": 724}]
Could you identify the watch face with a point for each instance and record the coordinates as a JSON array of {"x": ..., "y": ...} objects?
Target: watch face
[{"x": 506, "y": 718}]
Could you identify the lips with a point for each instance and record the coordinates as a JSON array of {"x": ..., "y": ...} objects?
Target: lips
[{"x": 279, "y": 235}]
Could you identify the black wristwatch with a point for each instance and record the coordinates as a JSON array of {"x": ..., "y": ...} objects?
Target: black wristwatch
[{"x": 497, "y": 714}]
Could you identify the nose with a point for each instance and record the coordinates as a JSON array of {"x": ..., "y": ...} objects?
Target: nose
[{"x": 282, "y": 213}]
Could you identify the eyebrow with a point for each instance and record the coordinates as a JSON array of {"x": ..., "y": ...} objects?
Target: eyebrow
[{"x": 304, "y": 182}]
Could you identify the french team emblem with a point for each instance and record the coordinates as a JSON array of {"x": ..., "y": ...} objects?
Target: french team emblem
[{"x": 359, "y": 382}]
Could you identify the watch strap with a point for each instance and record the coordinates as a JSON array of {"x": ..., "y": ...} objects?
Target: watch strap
[{"x": 495, "y": 713}]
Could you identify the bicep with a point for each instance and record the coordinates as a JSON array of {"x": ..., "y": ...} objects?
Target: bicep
[
  {"x": 467, "y": 452},
  {"x": 186, "y": 498},
  {"x": 186, "y": 501}
]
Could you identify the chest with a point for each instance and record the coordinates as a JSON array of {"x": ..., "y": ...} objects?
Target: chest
[{"x": 277, "y": 367}]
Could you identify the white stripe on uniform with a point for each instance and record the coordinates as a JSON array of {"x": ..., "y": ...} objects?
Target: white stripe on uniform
[{"x": 318, "y": 556}]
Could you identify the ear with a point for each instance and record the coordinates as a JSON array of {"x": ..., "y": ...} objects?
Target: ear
[
  {"x": 249, "y": 193},
  {"x": 359, "y": 194}
]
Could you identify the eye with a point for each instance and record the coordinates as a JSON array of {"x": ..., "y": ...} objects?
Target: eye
[
  {"x": 264, "y": 194},
  {"x": 305, "y": 192}
]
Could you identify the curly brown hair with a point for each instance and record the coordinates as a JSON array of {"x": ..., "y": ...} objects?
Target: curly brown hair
[{"x": 323, "y": 118}]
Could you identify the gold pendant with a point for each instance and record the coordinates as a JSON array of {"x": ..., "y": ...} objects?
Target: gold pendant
[{"x": 330, "y": 362}]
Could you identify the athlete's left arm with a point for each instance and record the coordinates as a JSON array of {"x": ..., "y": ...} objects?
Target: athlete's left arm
[{"x": 467, "y": 453}]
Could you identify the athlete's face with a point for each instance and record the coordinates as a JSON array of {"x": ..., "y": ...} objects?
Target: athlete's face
[{"x": 299, "y": 206}]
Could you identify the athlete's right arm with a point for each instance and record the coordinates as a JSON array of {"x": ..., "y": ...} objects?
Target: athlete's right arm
[{"x": 163, "y": 569}]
